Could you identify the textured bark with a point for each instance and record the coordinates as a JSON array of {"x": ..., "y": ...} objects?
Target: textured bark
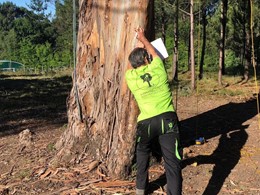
[{"x": 107, "y": 131}]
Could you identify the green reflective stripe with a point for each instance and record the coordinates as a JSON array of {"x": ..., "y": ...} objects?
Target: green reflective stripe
[
  {"x": 176, "y": 150},
  {"x": 149, "y": 131},
  {"x": 162, "y": 126},
  {"x": 138, "y": 139}
]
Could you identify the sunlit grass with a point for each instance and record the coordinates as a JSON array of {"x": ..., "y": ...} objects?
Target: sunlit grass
[
  {"x": 231, "y": 86},
  {"x": 32, "y": 75}
]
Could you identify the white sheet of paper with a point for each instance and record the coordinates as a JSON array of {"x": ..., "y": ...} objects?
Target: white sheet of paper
[{"x": 160, "y": 48}]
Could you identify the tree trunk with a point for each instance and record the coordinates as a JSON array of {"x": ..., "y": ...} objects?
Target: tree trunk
[
  {"x": 247, "y": 6},
  {"x": 188, "y": 60},
  {"x": 106, "y": 132},
  {"x": 192, "y": 56},
  {"x": 224, "y": 4},
  {"x": 176, "y": 44},
  {"x": 204, "y": 35},
  {"x": 163, "y": 25}
]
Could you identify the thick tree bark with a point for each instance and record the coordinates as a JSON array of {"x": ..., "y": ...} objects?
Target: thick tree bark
[{"x": 107, "y": 131}]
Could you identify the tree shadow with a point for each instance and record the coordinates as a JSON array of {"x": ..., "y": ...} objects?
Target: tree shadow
[
  {"x": 33, "y": 102},
  {"x": 227, "y": 121}
]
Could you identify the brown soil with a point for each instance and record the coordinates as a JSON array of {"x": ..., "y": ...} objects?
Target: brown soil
[{"x": 227, "y": 163}]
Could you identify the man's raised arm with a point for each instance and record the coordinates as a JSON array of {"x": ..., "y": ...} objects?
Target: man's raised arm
[{"x": 141, "y": 37}]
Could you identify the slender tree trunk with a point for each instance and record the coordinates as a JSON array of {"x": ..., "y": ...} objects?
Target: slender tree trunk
[
  {"x": 106, "y": 132},
  {"x": 224, "y": 35},
  {"x": 224, "y": 4},
  {"x": 176, "y": 44},
  {"x": 163, "y": 25},
  {"x": 192, "y": 56},
  {"x": 189, "y": 58},
  {"x": 221, "y": 54},
  {"x": 247, "y": 57},
  {"x": 204, "y": 39},
  {"x": 247, "y": 63}
]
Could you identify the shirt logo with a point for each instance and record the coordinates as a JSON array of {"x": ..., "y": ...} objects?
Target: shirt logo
[
  {"x": 170, "y": 125},
  {"x": 170, "y": 128},
  {"x": 147, "y": 78}
]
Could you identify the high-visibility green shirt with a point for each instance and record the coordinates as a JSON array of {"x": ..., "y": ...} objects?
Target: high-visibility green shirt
[{"x": 149, "y": 85}]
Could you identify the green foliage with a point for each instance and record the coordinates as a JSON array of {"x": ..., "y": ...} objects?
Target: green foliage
[
  {"x": 8, "y": 13},
  {"x": 43, "y": 45},
  {"x": 237, "y": 23},
  {"x": 27, "y": 56},
  {"x": 233, "y": 64},
  {"x": 63, "y": 23},
  {"x": 38, "y": 6},
  {"x": 37, "y": 57},
  {"x": 44, "y": 55},
  {"x": 29, "y": 37}
]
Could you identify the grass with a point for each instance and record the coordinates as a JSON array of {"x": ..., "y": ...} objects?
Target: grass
[
  {"x": 232, "y": 86},
  {"x": 24, "y": 173},
  {"x": 32, "y": 98},
  {"x": 28, "y": 75},
  {"x": 51, "y": 147},
  {"x": 207, "y": 86}
]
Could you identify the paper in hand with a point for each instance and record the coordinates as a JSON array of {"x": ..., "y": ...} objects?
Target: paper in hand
[{"x": 160, "y": 48}]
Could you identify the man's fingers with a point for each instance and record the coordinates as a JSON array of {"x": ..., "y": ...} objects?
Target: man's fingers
[
  {"x": 139, "y": 32},
  {"x": 139, "y": 29}
]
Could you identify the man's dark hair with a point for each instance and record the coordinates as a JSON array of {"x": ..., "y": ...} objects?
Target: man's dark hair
[{"x": 137, "y": 57}]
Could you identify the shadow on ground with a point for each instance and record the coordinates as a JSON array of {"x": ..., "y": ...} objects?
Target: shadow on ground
[
  {"x": 27, "y": 102},
  {"x": 227, "y": 122}
]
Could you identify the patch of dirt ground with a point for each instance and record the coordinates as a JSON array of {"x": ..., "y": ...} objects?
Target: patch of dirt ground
[{"x": 33, "y": 117}]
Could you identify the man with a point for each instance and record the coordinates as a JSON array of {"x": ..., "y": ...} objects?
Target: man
[{"x": 157, "y": 120}]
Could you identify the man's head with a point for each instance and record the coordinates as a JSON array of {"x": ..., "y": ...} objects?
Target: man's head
[{"x": 138, "y": 57}]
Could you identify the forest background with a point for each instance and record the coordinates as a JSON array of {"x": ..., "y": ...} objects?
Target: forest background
[{"x": 44, "y": 44}]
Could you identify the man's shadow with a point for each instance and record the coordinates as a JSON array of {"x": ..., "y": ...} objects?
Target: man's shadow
[
  {"x": 225, "y": 157},
  {"x": 227, "y": 121}
]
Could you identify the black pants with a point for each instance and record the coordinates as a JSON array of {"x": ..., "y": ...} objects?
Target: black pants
[{"x": 165, "y": 129}]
